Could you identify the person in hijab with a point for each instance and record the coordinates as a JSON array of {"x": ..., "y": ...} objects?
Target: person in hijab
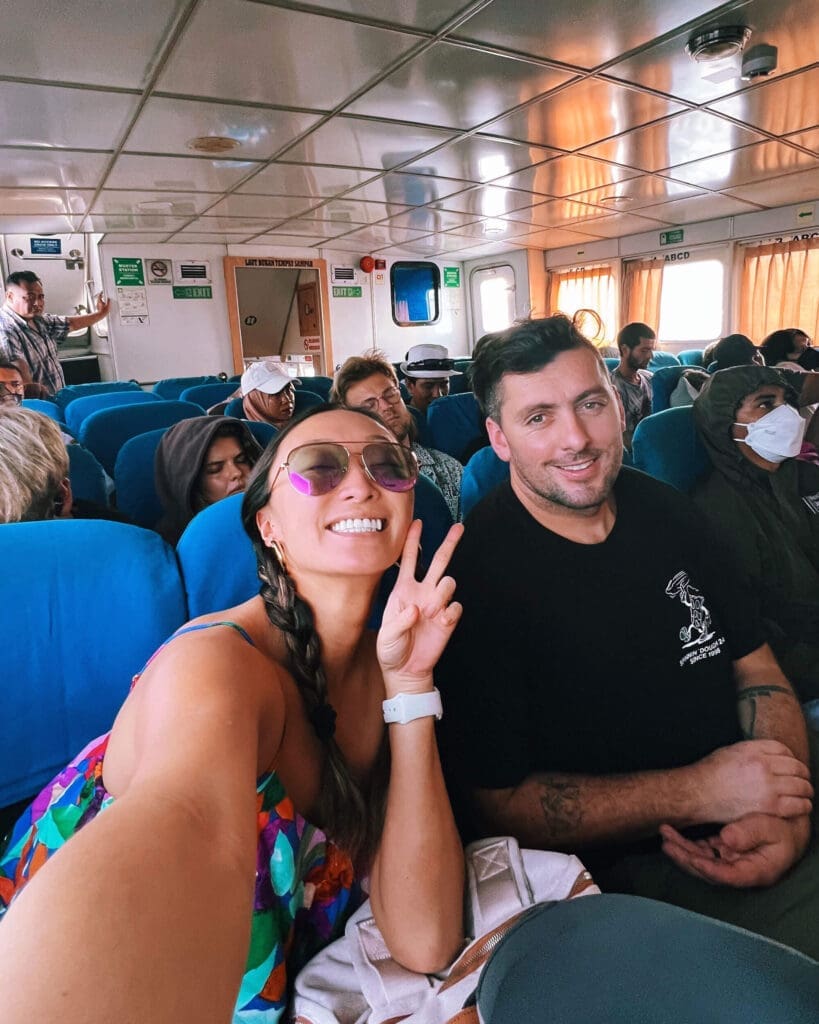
[
  {"x": 268, "y": 393},
  {"x": 765, "y": 502},
  {"x": 198, "y": 462}
]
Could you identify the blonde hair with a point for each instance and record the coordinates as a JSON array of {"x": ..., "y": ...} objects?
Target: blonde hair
[
  {"x": 358, "y": 368},
  {"x": 33, "y": 465}
]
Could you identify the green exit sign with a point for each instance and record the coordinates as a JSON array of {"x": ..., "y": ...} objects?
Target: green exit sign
[
  {"x": 347, "y": 292},
  {"x": 671, "y": 237},
  {"x": 192, "y": 291}
]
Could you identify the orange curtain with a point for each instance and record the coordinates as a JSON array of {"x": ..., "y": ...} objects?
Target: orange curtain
[
  {"x": 586, "y": 288},
  {"x": 642, "y": 288},
  {"x": 780, "y": 288}
]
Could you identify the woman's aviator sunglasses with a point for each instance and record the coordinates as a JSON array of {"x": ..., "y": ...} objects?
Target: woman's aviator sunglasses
[{"x": 319, "y": 468}]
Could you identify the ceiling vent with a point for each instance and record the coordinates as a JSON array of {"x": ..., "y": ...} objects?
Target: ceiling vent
[{"x": 717, "y": 43}]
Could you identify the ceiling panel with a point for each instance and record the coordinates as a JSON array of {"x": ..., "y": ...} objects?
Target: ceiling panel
[
  {"x": 583, "y": 114},
  {"x": 617, "y": 224},
  {"x": 680, "y": 139},
  {"x": 585, "y": 34},
  {"x": 493, "y": 229},
  {"x": 27, "y": 201},
  {"x": 35, "y": 44},
  {"x": 270, "y": 207},
  {"x": 787, "y": 24},
  {"x": 169, "y": 126},
  {"x": 354, "y": 142},
  {"x": 44, "y": 115},
  {"x": 743, "y": 166},
  {"x": 430, "y": 218},
  {"x": 207, "y": 238},
  {"x": 634, "y": 193},
  {"x": 490, "y": 201},
  {"x": 285, "y": 179},
  {"x": 797, "y": 188},
  {"x": 58, "y": 168},
  {"x": 380, "y": 234},
  {"x": 556, "y": 213},
  {"x": 134, "y": 238},
  {"x": 480, "y": 158},
  {"x": 177, "y": 174},
  {"x": 810, "y": 140},
  {"x": 556, "y": 238},
  {"x": 317, "y": 229},
  {"x": 270, "y": 55},
  {"x": 408, "y": 189},
  {"x": 455, "y": 87},
  {"x": 133, "y": 222},
  {"x": 705, "y": 206},
  {"x": 289, "y": 240},
  {"x": 228, "y": 225},
  {"x": 782, "y": 106},
  {"x": 354, "y": 210},
  {"x": 427, "y": 14},
  {"x": 36, "y": 225},
  {"x": 567, "y": 175},
  {"x": 173, "y": 204}
]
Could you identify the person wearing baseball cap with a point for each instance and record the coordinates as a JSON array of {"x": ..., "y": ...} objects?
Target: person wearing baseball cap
[
  {"x": 268, "y": 393},
  {"x": 427, "y": 370}
]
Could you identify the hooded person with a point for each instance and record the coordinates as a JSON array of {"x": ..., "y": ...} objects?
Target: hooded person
[
  {"x": 198, "y": 462},
  {"x": 268, "y": 393},
  {"x": 765, "y": 503}
]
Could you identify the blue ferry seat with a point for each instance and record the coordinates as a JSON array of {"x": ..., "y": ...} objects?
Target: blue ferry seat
[
  {"x": 660, "y": 359},
  {"x": 47, "y": 408},
  {"x": 85, "y": 614},
  {"x": 134, "y": 479},
  {"x": 691, "y": 357},
  {"x": 612, "y": 362},
  {"x": 318, "y": 385},
  {"x": 484, "y": 471},
  {"x": 666, "y": 445},
  {"x": 663, "y": 383},
  {"x": 107, "y": 430},
  {"x": 206, "y": 395},
  {"x": 71, "y": 392},
  {"x": 235, "y": 408},
  {"x": 454, "y": 423},
  {"x": 87, "y": 476},
  {"x": 80, "y": 409},
  {"x": 172, "y": 387}
]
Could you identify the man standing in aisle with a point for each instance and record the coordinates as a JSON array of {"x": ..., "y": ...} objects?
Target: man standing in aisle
[{"x": 29, "y": 337}]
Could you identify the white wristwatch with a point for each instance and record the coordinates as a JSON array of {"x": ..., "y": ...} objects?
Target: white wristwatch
[{"x": 406, "y": 707}]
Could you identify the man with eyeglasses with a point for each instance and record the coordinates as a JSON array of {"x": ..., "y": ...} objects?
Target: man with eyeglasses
[
  {"x": 29, "y": 336},
  {"x": 12, "y": 385},
  {"x": 369, "y": 382}
]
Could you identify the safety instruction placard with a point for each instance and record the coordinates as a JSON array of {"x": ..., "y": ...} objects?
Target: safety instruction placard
[
  {"x": 452, "y": 277},
  {"x": 132, "y": 305}
]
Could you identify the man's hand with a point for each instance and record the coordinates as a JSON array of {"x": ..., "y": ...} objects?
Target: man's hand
[
  {"x": 103, "y": 305},
  {"x": 753, "y": 777},
  {"x": 755, "y": 851}
]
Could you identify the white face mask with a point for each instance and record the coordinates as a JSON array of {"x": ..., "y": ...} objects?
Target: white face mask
[{"x": 777, "y": 435}]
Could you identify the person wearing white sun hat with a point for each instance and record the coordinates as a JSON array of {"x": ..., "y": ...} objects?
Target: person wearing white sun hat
[{"x": 427, "y": 370}]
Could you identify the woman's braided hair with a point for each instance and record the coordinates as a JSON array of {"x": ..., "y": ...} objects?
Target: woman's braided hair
[{"x": 351, "y": 814}]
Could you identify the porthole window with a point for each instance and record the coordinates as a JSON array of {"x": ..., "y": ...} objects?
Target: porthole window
[{"x": 416, "y": 293}]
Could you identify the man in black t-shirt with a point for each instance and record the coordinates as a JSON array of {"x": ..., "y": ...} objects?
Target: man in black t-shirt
[{"x": 608, "y": 690}]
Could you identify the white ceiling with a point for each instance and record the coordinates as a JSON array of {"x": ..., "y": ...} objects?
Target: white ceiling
[{"x": 398, "y": 125}]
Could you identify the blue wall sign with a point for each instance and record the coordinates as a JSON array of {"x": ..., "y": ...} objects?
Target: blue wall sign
[{"x": 46, "y": 246}]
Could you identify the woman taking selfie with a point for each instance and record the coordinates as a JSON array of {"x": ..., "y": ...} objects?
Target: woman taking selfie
[{"x": 208, "y": 880}]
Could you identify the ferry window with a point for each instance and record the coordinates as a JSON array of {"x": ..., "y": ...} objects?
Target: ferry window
[
  {"x": 416, "y": 293},
  {"x": 691, "y": 301},
  {"x": 587, "y": 288},
  {"x": 493, "y": 291}
]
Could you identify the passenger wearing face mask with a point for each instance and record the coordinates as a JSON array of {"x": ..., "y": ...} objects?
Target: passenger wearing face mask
[{"x": 765, "y": 501}]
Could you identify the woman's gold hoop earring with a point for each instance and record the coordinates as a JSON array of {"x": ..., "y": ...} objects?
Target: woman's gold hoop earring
[{"x": 278, "y": 553}]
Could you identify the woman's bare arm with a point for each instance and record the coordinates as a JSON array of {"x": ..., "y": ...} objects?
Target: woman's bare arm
[{"x": 144, "y": 915}]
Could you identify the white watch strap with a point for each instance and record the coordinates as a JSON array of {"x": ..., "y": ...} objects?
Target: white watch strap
[{"x": 406, "y": 707}]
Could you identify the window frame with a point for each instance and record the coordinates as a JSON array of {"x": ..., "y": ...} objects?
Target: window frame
[{"x": 436, "y": 279}]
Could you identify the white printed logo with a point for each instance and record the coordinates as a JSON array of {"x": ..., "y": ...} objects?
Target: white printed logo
[{"x": 699, "y": 630}]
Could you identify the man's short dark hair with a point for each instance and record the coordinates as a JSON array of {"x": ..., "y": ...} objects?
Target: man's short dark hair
[
  {"x": 20, "y": 277},
  {"x": 523, "y": 348},
  {"x": 733, "y": 350},
  {"x": 7, "y": 364},
  {"x": 632, "y": 334}
]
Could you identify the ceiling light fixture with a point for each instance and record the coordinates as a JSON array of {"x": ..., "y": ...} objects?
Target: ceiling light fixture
[
  {"x": 717, "y": 43},
  {"x": 614, "y": 200},
  {"x": 212, "y": 144}
]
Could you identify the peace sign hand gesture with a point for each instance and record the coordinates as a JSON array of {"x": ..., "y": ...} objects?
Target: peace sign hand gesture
[{"x": 419, "y": 617}]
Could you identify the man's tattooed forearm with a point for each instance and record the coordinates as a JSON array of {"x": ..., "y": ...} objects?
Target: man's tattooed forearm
[
  {"x": 747, "y": 705},
  {"x": 561, "y": 805}
]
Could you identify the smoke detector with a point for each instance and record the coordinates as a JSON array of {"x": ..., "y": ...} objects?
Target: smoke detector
[
  {"x": 212, "y": 144},
  {"x": 717, "y": 43}
]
